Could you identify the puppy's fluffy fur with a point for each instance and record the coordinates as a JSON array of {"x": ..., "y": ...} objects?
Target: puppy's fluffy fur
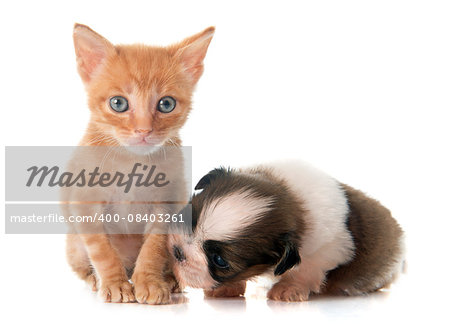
[{"x": 292, "y": 220}]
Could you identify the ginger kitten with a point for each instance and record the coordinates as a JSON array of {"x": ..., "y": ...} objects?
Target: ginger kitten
[{"x": 139, "y": 97}]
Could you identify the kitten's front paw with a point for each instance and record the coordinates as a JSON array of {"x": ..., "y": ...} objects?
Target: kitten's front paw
[
  {"x": 230, "y": 290},
  {"x": 288, "y": 292},
  {"x": 151, "y": 291},
  {"x": 117, "y": 292}
]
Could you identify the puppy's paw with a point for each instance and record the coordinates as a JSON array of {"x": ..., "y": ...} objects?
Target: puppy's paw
[
  {"x": 117, "y": 292},
  {"x": 152, "y": 292},
  {"x": 288, "y": 292},
  {"x": 174, "y": 285},
  {"x": 229, "y": 290},
  {"x": 176, "y": 288}
]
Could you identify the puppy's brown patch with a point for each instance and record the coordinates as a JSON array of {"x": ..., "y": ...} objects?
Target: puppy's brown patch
[{"x": 379, "y": 247}]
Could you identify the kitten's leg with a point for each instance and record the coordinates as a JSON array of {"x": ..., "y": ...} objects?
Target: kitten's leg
[
  {"x": 297, "y": 284},
  {"x": 150, "y": 285},
  {"x": 79, "y": 261},
  {"x": 108, "y": 266},
  {"x": 235, "y": 289}
]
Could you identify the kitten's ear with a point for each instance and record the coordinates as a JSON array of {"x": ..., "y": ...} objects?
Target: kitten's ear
[
  {"x": 290, "y": 257},
  {"x": 91, "y": 50},
  {"x": 192, "y": 51}
]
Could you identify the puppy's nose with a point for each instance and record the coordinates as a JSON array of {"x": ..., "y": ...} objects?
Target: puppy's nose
[{"x": 178, "y": 253}]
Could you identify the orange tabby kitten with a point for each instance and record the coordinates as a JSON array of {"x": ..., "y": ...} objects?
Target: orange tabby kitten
[{"x": 138, "y": 96}]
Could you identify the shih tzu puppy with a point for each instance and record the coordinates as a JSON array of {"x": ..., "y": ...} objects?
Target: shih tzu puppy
[{"x": 290, "y": 220}]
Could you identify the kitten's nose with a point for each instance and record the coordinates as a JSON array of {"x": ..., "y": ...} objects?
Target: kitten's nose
[
  {"x": 143, "y": 132},
  {"x": 178, "y": 253}
]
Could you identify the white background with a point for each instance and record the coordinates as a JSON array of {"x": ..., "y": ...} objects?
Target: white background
[{"x": 358, "y": 88}]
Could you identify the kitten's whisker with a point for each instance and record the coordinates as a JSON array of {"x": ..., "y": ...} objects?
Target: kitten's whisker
[
  {"x": 99, "y": 139},
  {"x": 93, "y": 139},
  {"x": 102, "y": 163},
  {"x": 114, "y": 156}
]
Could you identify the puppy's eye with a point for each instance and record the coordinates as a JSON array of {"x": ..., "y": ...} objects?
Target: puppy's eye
[
  {"x": 167, "y": 104},
  {"x": 118, "y": 103},
  {"x": 219, "y": 261}
]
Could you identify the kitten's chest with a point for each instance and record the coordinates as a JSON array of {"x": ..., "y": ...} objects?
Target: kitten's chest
[
  {"x": 147, "y": 179},
  {"x": 130, "y": 188}
]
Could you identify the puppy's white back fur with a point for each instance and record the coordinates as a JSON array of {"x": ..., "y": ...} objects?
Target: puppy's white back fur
[{"x": 326, "y": 209}]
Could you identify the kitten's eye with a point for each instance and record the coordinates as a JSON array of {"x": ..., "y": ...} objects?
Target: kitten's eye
[
  {"x": 219, "y": 261},
  {"x": 118, "y": 103},
  {"x": 167, "y": 104}
]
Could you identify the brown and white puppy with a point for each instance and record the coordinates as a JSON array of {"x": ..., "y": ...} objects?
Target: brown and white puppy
[{"x": 289, "y": 219}]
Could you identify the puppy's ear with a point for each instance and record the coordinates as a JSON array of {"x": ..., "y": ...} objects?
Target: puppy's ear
[
  {"x": 212, "y": 175},
  {"x": 290, "y": 258}
]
